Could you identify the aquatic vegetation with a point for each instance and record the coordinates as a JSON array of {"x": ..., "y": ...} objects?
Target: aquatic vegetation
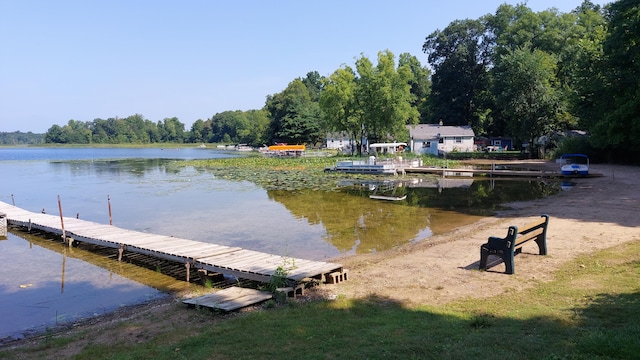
[
  {"x": 277, "y": 173},
  {"x": 283, "y": 173}
]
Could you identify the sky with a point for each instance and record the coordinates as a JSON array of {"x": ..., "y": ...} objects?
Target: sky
[{"x": 81, "y": 60}]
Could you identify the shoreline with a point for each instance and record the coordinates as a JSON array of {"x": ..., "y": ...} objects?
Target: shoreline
[{"x": 597, "y": 213}]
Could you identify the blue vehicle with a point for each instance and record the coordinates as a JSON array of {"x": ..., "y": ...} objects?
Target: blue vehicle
[{"x": 574, "y": 164}]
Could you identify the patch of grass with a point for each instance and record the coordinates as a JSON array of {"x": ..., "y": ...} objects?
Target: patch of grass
[{"x": 561, "y": 319}]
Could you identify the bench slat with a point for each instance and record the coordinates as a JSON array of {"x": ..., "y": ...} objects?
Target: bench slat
[
  {"x": 528, "y": 236},
  {"x": 531, "y": 225}
]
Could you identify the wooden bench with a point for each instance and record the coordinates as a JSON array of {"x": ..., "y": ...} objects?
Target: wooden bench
[{"x": 511, "y": 245}]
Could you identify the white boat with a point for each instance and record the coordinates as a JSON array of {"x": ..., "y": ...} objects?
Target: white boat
[
  {"x": 574, "y": 164},
  {"x": 388, "y": 197},
  {"x": 364, "y": 167}
]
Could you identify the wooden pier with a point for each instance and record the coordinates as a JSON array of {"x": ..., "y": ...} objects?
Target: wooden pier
[
  {"x": 496, "y": 171},
  {"x": 204, "y": 257}
]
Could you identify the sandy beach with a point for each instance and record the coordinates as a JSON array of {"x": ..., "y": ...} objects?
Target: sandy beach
[{"x": 597, "y": 213}]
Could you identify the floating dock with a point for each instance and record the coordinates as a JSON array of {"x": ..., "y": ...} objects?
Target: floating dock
[{"x": 204, "y": 257}]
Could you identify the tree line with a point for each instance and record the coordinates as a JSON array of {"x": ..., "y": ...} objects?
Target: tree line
[
  {"x": 20, "y": 138},
  {"x": 515, "y": 72}
]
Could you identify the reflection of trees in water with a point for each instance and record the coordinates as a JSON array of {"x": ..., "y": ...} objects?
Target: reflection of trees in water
[
  {"x": 482, "y": 197},
  {"x": 135, "y": 167},
  {"x": 356, "y": 223},
  {"x": 353, "y": 221}
]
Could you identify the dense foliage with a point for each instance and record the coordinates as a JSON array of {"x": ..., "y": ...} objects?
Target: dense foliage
[
  {"x": 20, "y": 138},
  {"x": 527, "y": 75}
]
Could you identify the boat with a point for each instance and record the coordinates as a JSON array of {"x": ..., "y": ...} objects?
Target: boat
[
  {"x": 574, "y": 164},
  {"x": 283, "y": 150},
  {"x": 388, "y": 197},
  {"x": 363, "y": 167}
]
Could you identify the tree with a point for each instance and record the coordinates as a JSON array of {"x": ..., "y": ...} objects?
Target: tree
[
  {"x": 376, "y": 103},
  {"x": 258, "y": 123},
  {"x": 583, "y": 64},
  {"x": 171, "y": 130},
  {"x": 294, "y": 117},
  {"x": 196, "y": 132},
  {"x": 55, "y": 135},
  {"x": 460, "y": 56},
  {"x": 229, "y": 126},
  {"x": 618, "y": 128},
  {"x": 339, "y": 105},
  {"x": 525, "y": 86},
  {"x": 420, "y": 84},
  {"x": 313, "y": 82},
  {"x": 383, "y": 94}
]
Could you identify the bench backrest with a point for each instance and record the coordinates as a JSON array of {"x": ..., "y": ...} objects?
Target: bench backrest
[
  {"x": 530, "y": 230},
  {"x": 528, "y": 236},
  {"x": 533, "y": 225}
]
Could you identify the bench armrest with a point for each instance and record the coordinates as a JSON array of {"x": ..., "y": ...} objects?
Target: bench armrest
[{"x": 496, "y": 242}]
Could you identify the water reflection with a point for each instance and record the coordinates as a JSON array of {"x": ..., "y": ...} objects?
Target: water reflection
[
  {"x": 110, "y": 168},
  {"x": 64, "y": 284},
  {"x": 474, "y": 196},
  {"x": 357, "y": 224}
]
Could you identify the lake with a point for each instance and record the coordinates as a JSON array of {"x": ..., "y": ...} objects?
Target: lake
[{"x": 149, "y": 190}]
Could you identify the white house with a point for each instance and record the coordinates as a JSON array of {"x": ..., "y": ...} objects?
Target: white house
[
  {"x": 340, "y": 141},
  {"x": 438, "y": 139}
]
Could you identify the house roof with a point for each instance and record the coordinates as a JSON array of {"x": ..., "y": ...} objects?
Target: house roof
[{"x": 431, "y": 131}]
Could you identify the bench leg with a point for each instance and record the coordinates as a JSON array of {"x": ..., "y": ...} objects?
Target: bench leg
[
  {"x": 484, "y": 256},
  {"x": 508, "y": 262},
  {"x": 542, "y": 245}
]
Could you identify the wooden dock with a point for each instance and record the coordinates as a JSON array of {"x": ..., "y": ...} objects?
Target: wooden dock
[
  {"x": 227, "y": 260},
  {"x": 493, "y": 171}
]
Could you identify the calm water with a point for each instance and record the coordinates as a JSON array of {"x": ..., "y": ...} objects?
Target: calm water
[{"x": 150, "y": 191}]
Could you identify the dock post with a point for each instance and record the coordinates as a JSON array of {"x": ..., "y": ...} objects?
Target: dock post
[
  {"x": 188, "y": 266},
  {"x": 109, "y": 204},
  {"x": 64, "y": 235},
  {"x": 120, "y": 251},
  {"x": 3, "y": 225}
]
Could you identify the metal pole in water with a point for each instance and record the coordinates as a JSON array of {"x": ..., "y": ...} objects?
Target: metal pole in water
[
  {"x": 13, "y": 201},
  {"x": 64, "y": 235},
  {"x": 109, "y": 203}
]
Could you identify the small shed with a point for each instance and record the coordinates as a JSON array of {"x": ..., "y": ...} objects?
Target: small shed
[{"x": 436, "y": 139}]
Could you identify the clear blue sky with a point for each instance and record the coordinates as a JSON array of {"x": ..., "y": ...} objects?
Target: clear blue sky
[{"x": 84, "y": 59}]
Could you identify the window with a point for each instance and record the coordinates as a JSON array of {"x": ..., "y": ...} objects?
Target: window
[
  {"x": 458, "y": 139},
  {"x": 426, "y": 144},
  {"x": 441, "y": 140}
]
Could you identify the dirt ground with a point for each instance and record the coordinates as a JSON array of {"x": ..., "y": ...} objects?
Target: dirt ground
[{"x": 598, "y": 212}]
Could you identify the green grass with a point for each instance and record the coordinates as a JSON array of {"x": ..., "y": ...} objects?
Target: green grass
[{"x": 590, "y": 311}]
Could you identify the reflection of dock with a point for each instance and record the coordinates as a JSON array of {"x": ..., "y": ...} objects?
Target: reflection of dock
[
  {"x": 162, "y": 280},
  {"x": 233, "y": 261},
  {"x": 492, "y": 171}
]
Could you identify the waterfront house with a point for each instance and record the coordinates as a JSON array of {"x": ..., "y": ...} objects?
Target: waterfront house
[{"x": 437, "y": 139}]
